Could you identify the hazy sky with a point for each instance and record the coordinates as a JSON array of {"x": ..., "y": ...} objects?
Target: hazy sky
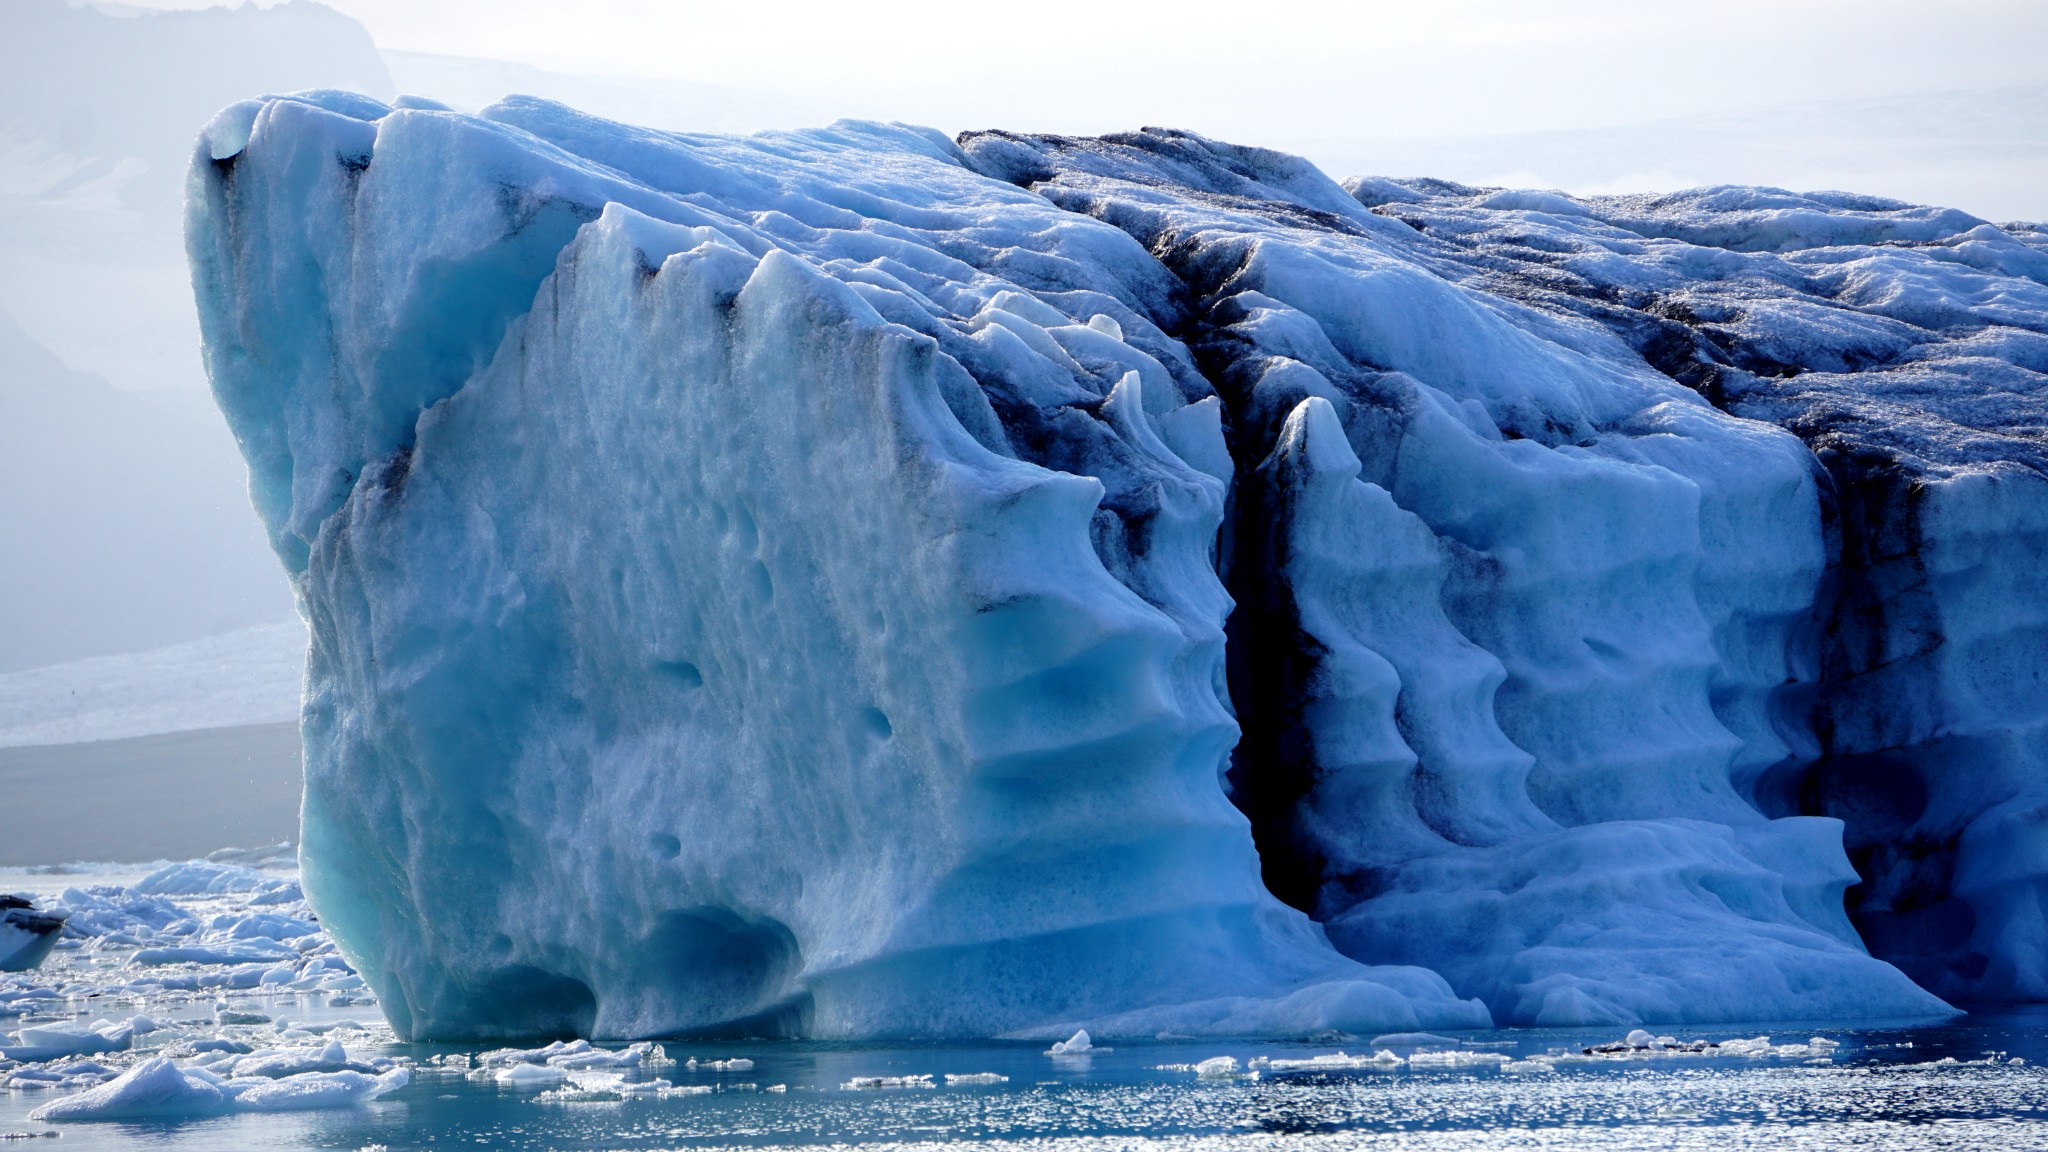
[{"x": 1350, "y": 68}]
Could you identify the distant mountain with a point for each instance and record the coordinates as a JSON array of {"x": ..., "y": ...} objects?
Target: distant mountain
[
  {"x": 124, "y": 518},
  {"x": 1983, "y": 150},
  {"x": 124, "y": 521},
  {"x": 101, "y": 87},
  {"x": 468, "y": 84},
  {"x": 246, "y": 677}
]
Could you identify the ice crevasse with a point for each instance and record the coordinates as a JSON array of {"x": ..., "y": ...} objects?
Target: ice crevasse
[{"x": 859, "y": 583}]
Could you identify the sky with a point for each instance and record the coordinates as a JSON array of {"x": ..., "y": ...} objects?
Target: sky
[{"x": 1353, "y": 68}]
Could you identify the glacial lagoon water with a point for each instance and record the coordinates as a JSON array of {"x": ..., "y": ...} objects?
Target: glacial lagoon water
[
  {"x": 1895, "y": 1087},
  {"x": 1980, "y": 1082}
]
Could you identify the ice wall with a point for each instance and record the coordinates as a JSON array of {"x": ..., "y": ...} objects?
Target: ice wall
[
  {"x": 1517, "y": 612},
  {"x": 702, "y": 641},
  {"x": 859, "y": 583},
  {"x": 1907, "y": 347}
]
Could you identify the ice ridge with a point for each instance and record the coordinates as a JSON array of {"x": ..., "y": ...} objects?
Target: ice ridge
[{"x": 857, "y": 583}]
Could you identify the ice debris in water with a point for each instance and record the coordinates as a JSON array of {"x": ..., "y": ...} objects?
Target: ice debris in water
[
  {"x": 1329, "y": 1062},
  {"x": 1640, "y": 1044},
  {"x": 1580, "y": 556},
  {"x": 157, "y": 1088},
  {"x": 530, "y": 1076},
  {"x": 1455, "y": 1058},
  {"x": 180, "y": 946},
  {"x": 576, "y": 1054},
  {"x": 976, "y": 1078},
  {"x": 859, "y": 1083},
  {"x": 598, "y": 1086}
]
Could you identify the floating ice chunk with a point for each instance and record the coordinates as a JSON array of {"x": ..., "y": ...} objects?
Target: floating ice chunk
[
  {"x": 240, "y": 952},
  {"x": 577, "y": 1054},
  {"x": 1330, "y": 1062},
  {"x": 154, "y": 1089},
  {"x": 103, "y": 911},
  {"x": 273, "y": 1063},
  {"x": 861, "y": 1083},
  {"x": 1073, "y": 1045},
  {"x": 306, "y": 1091},
  {"x": 588, "y": 1086},
  {"x": 1456, "y": 1058},
  {"x": 526, "y": 1076},
  {"x": 56, "y": 1041},
  {"x": 1217, "y": 1068},
  {"x": 968, "y": 1078}
]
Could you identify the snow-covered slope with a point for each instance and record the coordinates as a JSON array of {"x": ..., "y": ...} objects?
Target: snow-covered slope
[
  {"x": 790, "y": 575},
  {"x": 248, "y": 676},
  {"x": 98, "y": 108}
]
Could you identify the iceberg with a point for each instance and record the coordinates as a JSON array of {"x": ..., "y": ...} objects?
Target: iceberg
[
  {"x": 856, "y": 583},
  {"x": 904, "y": 547}
]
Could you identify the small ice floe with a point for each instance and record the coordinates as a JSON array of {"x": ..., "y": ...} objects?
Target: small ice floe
[
  {"x": 57, "y": 1041},
  {"x": 1214, "y": 1068},
  {"x": 970, "y": 1078},
  {"x": 575, "y": 1055},
  {"x": 1640, "y": 1044},
  {"x": 26, "y": 935},
  {"x": 62, "y": 1076},
  {"x": 591, "y": 1087},
  {"x": 308, "y": 1091},
  {"x": 863, "y": 1083},
  {"x": 240, "y": 952},
  {"x": 1330, "y": 1062},
  {"x": 530, "y": 1076},
  {"x": 1456, "y": 1058},
  {"x": 1074, "y": 1045},
  {"x": 735, "y": 1064},
  {"x": 158, "y": 1089},
  {"x": 278, "y": 1062}
]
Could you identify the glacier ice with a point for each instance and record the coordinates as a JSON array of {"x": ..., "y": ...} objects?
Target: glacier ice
[
  {"x": 858, "y": 583},
  {"x": 1905, "y": 346},
  {"x": 567, "y": 668}
]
